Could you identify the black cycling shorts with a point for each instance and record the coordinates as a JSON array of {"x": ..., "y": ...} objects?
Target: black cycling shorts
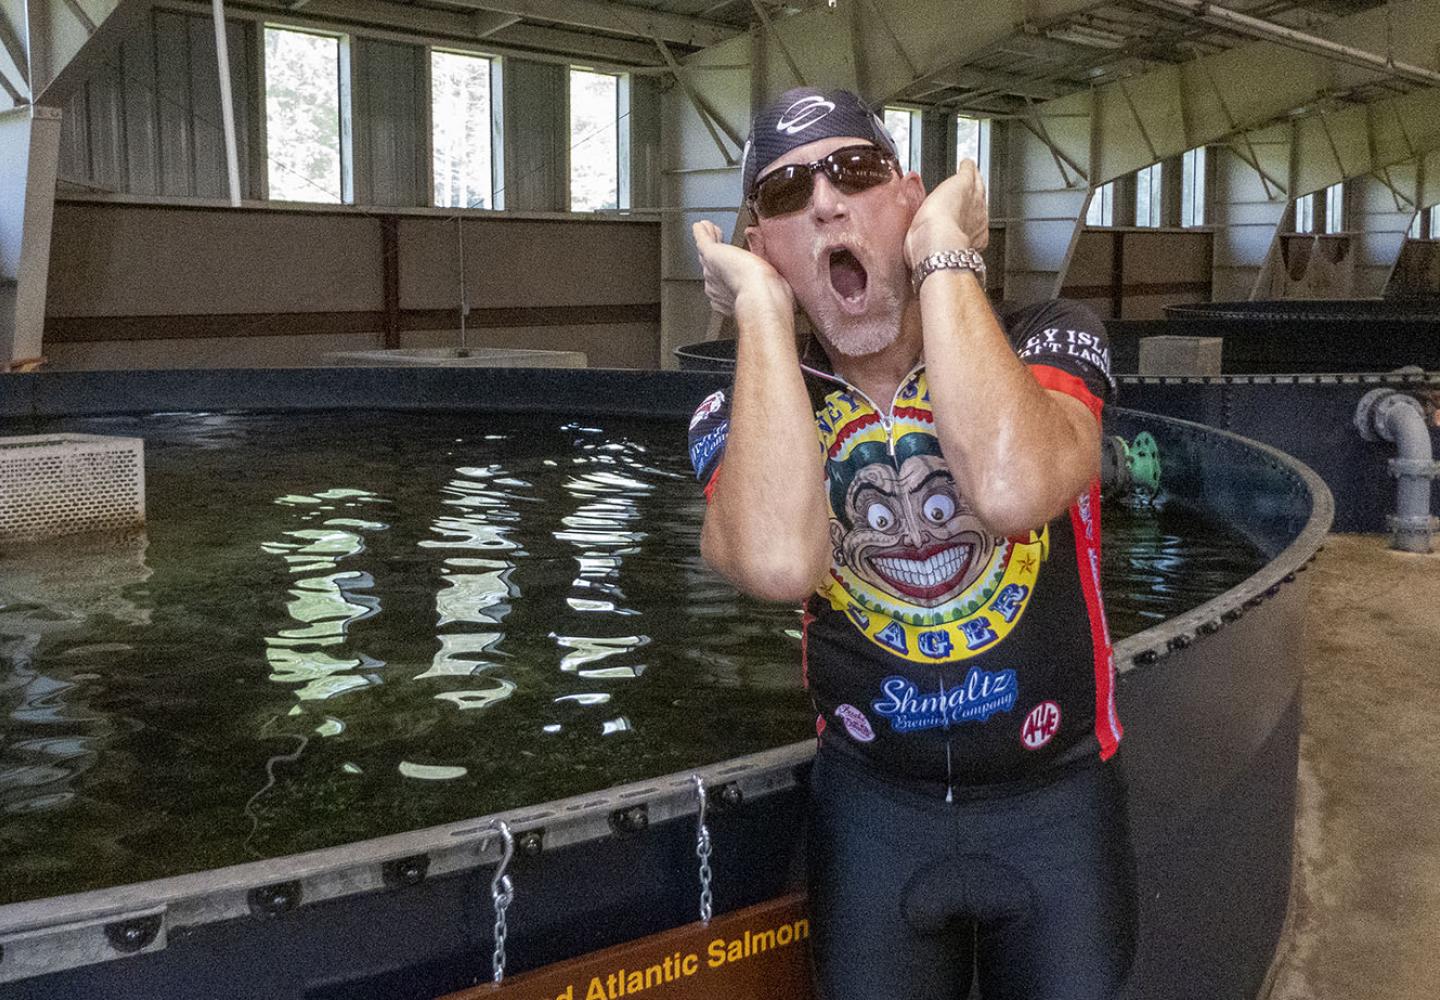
[{"x": 1032, "y": 891}]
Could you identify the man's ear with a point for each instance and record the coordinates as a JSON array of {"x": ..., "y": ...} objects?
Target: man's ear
[
  {"x": 914, "y": 189},
  {"x": 755, "y": 242}
]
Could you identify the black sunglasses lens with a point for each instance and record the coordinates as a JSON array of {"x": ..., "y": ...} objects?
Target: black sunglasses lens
[
  {"x": 852, "y": 169},
  {"x": 786, "y": 190},
  {"x": 857, "y": 170}
]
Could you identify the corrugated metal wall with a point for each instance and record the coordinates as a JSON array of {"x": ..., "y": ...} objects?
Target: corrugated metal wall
[
  {"x": 149, "y": 122},
  {"x": 392, "y": 103}
]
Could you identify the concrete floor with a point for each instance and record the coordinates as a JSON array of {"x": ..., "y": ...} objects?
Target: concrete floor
[{"x": 1365, "y": 919}]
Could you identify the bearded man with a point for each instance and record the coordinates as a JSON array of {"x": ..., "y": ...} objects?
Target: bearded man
[{"x": 966, "y": 818}]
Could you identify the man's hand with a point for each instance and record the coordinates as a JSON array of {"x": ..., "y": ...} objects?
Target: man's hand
[
  {"x": 733, "y": 273},
  {"x": 952, "y": 217}
]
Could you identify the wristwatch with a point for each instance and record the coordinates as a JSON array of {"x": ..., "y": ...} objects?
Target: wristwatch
[{"x": 968, "y": 259}]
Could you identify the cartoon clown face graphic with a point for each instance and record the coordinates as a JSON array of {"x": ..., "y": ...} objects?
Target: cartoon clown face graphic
[
  {"x": 910, "y": 532},
  {"x": 913, "y": 567}
]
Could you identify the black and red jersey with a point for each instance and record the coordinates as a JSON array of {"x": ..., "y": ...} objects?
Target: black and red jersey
[{"x": 936, "y": 651}]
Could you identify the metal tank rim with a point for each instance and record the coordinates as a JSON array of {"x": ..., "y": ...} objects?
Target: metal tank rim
[{"x": 75, "y": 920}]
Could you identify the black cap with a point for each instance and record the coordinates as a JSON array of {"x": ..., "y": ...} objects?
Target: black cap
[{"x": 801, "y": 116}]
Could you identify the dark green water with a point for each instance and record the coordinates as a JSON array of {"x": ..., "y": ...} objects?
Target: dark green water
[{"x": 348, "y": 625}]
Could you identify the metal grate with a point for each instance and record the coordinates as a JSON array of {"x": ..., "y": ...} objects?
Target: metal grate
[{"x": 65, "y": 484}]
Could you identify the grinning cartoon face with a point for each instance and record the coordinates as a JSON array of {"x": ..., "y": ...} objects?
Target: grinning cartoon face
[{"x": 911, "y": 534}]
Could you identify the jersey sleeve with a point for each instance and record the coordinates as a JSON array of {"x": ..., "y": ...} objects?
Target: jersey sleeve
[
  {"x": 709, "y": 428},
  {"x": 1065, "y": 346}
]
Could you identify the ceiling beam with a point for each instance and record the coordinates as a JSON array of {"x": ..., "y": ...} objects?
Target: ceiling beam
[
  {"x": 607, "y": 15},
  {"x": 417, "y": 24}
]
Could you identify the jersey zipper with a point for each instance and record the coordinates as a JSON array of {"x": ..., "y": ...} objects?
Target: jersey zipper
[{"x": 887, "y": 417}]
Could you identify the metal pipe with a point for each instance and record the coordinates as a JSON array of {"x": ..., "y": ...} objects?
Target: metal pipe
[
  {"x": 227, "y": 101},
  {"x": 464, "y": 349},
  {"x": 1385, "y": 414},
  {"x": 1260, "y": 28}
]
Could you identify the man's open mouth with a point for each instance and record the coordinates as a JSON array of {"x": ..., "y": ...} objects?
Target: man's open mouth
[
  {"x": 927, "y": 573},
  {"x": 848, "y": 276}
]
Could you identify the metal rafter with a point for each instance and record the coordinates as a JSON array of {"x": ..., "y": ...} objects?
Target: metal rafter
[{"x": 611, "y": 16}]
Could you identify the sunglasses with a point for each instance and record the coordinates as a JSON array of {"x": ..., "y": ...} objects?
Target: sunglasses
[{"x": 851, "y": 169}]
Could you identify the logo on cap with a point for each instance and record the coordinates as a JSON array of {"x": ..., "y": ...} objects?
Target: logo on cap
[{"x": 803, "y": 113}]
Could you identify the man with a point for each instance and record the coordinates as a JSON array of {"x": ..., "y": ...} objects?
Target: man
[{"x": 946, "y": 542}]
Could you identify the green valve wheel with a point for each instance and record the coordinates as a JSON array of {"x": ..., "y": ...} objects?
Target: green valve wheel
[{"x": 1143, "y": 461}]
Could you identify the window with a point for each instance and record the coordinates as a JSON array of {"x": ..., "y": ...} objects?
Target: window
[
  {"x": 595, "y": 115},
  {"x": 1414, "y": 231},
  {"x": 305, "y": 116},
  {"x": 461, "y": 137},
  {"x": 1192, "y": 187},
  {"x": 904, "y": 127},
  {"x": 1305, "y": 214},
  {"x": 1434, "y": 222},
  {"x": 1148, "y": 197},
  {"x": 1102, "y": 207},
  {"x": 972, "y": 142},
  {"x": 1335, "y": 208}
]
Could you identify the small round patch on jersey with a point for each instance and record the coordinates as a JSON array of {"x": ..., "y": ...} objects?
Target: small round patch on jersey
[
  {"x": 855, "y": 723},
  {"x": 1040, "y": 726}
]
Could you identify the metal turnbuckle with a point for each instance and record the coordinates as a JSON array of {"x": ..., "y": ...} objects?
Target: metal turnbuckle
[
  {"x": 702, "y": 849},
  {"x": 502, "y": 893}
]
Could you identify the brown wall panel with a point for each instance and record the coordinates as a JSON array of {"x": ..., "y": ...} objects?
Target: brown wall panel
[
  {"x": 127, "y": 260},
  {"x": 525, "y": 262}
]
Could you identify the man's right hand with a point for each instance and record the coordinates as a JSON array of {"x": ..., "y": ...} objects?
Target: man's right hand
[{"x": 732, "y": 273}]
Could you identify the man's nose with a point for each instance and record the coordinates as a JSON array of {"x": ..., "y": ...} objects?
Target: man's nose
[{"x": 827, "y": 202}]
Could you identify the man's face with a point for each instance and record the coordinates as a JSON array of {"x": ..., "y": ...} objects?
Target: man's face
[
  {"x": 843, "y": 255},
  {"x": 912, "y": 534}
]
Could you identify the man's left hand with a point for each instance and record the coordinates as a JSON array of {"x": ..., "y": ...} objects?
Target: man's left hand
[{"x": 952, "y": 217}]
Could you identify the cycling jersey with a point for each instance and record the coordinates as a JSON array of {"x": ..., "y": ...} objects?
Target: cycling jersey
[{"x": 936, "y": 652}]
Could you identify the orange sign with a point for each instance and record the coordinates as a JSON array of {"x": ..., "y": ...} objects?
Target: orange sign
[{"x": 759, "y": 953}]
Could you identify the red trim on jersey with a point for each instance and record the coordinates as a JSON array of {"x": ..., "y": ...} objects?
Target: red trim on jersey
[
  {"x": 1087, "y": 554},
  {"x": 1070, "y": 385},
  {"x": 852, "y": 428},
  {"x": 806, "y": 617},
  {"x": 710, "y": 486},
  {"x": 914, "y": 413}
]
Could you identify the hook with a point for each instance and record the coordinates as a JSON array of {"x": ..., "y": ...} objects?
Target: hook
[
  {"x": 702, "y": 795},
  {"x": 500, "y": 883}
]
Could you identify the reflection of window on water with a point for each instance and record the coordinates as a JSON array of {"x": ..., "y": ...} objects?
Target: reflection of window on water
[
  {"x": 303, "y": 116},
  {"x": 595, "y": 115},
  {"x": 461, "y": 133}
]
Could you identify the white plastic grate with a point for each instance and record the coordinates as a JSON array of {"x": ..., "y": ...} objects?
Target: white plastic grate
[{"x": 65, "y": 484}]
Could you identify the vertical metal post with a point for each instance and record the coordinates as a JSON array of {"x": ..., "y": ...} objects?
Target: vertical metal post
[{"x": 227, "y": 101}]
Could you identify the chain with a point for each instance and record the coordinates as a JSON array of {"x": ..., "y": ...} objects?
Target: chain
[
  {"x": 502, "y": 893},
  {"x": 702, "y": 851}
]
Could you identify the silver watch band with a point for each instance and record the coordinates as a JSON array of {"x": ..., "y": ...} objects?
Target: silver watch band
[{"x": 968, "y": 259}]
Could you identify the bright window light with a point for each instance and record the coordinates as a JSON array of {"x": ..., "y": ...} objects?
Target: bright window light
[
  {"x": 463, "y": 160},
  {"x": 972, "y": 142},
  {"x": 594, "y": 141},
  {"x": 1102, "y": 207},
  {"x": 1305, "y": 214},
  {"x": 904, "y": 129},
  {"x": 1414, "y": 231},
  {"x": 303, "y": 116},
  {"x": 1147, "y": 196},
  {"x": 1434, "y": 222},
  {"x": 1192, "y": 187},
  {"x": 1335, "y": 208}
]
